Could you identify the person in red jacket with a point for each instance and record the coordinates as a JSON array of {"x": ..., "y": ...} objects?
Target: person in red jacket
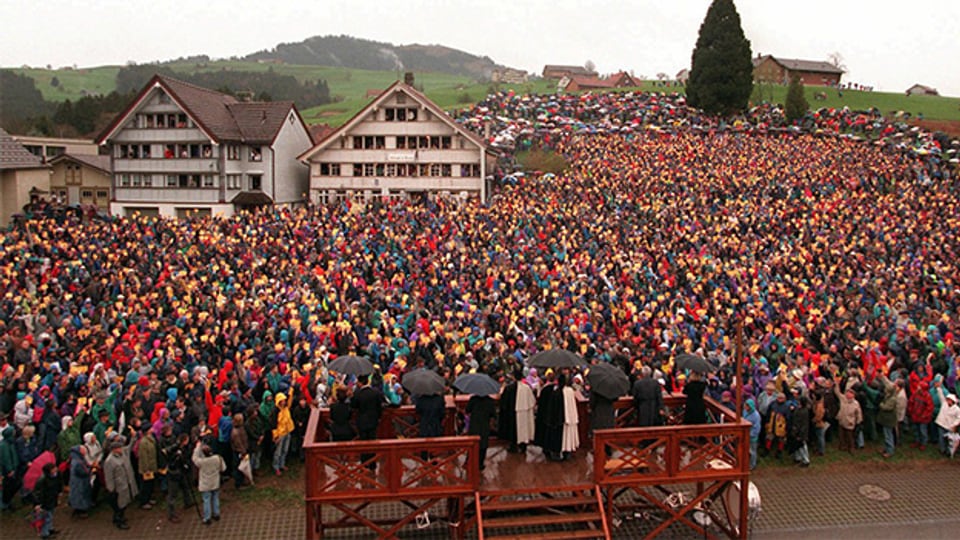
[{"x": 920, "y": 411}]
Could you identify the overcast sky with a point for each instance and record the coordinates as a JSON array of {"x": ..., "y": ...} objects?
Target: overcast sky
[{"x": 886, "y": 44}]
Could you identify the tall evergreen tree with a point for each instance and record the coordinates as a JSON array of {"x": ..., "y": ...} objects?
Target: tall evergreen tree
[
  {"x": 721, "y": 77},
  {"x": 796, "y": 105}
]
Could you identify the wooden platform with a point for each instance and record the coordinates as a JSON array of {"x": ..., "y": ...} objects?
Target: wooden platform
[{"x": 524, "y": 492}]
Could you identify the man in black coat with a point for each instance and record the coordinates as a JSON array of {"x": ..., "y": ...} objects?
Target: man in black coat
[
  {"x": 369, "y": 405},
  {"x": 549, "y": 420},
  {"x": 507, "y": 419},
  {"x": 47, "y": 491},
  {"x": 481, "y": 410},
  {"x": 647, "y": 399},
  {"x": 431, "y": 410}
]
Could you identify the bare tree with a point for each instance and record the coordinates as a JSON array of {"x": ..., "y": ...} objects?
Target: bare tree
[
  {"x": 590, "y": 66},
  {"x": 662, "y": 76},
  {"x": 836, "y": 60}
]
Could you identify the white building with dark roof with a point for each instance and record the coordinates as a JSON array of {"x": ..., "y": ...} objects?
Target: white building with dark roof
[
  {"x": 179, "y": 149},
  {"x": 401, "y": 145}
]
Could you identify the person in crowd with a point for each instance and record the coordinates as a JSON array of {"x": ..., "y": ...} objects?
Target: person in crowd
[
  {"x": 368, "y": 404},
  {"x": 81, "y": 479},
  {"x": 209, "y": 468},
  {"x": 751, "y": 415},
  {"x": 47, "y": 494},
  {"x": 647, "y": 399},
  {"x": 341, "y": 426},
  {"x": 481, "y": 410},
  {"x": 282, "y": 431},
  {"x": 695, "y": 410},
  {"x": 119, "y": 478}
]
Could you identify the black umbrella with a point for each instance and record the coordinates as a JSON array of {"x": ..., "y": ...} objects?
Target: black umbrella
[
  {"x": 556, "y": 358},
  {"x": 423, "y": 382},
  {"x": 351, "y": 365},
  {"x": 694, "y": 362},
  {"x": 608, "y": 380},
  {"x": 476, "y": 384}
]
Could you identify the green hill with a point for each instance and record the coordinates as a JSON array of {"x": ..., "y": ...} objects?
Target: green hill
[{"x": 351, "y": 52}]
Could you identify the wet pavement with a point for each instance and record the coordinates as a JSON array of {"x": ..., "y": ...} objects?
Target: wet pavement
[{"x": 828, "y": 501}]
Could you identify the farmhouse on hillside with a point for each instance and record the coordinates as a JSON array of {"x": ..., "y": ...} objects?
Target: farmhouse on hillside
[
  {"x": 179, "y": 149},
  {"x": 775, "y": 70},
  {"x": 579, "y": 83},
  {"x": 922, "y": 90},
  {"x": 559, "y": 72},
  {"x": 401, "y": 145},
  {"x": 509, "y": 76}
]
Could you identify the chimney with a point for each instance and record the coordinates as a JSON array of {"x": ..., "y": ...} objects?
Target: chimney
[{"x": 408, "y": 78}]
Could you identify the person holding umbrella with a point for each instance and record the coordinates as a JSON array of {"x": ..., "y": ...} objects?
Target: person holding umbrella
[
  {"x": 480, "y": 408},
  {"x": 695, "y": 411}
]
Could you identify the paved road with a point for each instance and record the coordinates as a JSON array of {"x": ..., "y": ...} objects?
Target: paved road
[{"x": 831, "y": 502}]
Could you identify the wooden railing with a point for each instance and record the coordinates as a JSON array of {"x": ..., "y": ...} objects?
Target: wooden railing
[{"x": 673, "y": 452}]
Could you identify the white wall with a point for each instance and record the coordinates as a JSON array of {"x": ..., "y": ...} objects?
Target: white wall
[{"x": 292, "y": 178}]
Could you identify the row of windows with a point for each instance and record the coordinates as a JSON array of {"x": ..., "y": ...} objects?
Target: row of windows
[
  {"x": 183, "y": 151},
  {"x": 234, "y": 181},
  {"x": 377, "y": 142},
  {"x": 402, "y": 169},
  {"x": 400, "y": 114},
  {"x": 163, "y": 121}
]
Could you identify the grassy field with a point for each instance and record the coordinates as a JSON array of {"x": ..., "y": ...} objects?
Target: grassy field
[{"x": 349, "y": 87}]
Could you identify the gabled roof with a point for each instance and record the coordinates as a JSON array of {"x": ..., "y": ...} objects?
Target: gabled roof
[
  {"x": 259, "y": 121},
  {"x": 590, "y": 82},
  {"x": 573, "y": 70},
  {"x": 101, "y": 163},
  {"x": 251, "y": 198},
  {"x": 398, "y": 86},
  {"x": 221, "y": 116},
  {"x": 793, "y": 64},
  {"x": 14, "y": 156}
]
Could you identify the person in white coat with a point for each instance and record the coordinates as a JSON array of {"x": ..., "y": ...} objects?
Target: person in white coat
[
  {"x": 947, "y": 420},
  {"x": 526, "y": 403},
  {"x": 571, "y": 419}
]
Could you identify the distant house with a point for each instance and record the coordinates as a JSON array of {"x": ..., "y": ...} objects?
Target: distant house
[
  {"x": 179, "y": 149},
  {"x": 622, "y": 79},
  {"x": 770, "y": 69},
  {"x": 23, "y": 178},
  {"x": 558, "y": 72},
  {"x": 922, "y": 90},
  {"x": 581, "y": 83},
  {"x": 82, "y": 179},
  {"x": 509, "y": 76},
  {"x": 400, "y": 146},
  {"x": 682, "y": 76},
  {"x": 47, "y": 148}
]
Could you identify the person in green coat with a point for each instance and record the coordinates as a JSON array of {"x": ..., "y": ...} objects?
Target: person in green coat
[
  {"x": 887, "y": 414},
  {"x": 70, "y": 435},
  {"x": 9, "y": 463}
]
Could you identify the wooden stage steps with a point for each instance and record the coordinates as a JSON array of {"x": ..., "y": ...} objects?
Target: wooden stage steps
[{"x": 541, "y": 513}]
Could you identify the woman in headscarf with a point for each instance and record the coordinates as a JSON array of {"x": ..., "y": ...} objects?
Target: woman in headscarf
[{"x": 81, "y": 489}]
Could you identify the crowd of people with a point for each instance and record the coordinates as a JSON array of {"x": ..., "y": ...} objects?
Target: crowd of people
[{"x": 138, "y": 352}]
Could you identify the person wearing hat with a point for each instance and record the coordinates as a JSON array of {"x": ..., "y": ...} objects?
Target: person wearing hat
[
  {"x": 282, "y": 430},
  {"x": 948, "y": 419},
  {"x": 119, "y": 477},
  {"x": 647, "y": 399},
  {"x": 777, "y": 424},
  {"x": 209, "y": 467}
]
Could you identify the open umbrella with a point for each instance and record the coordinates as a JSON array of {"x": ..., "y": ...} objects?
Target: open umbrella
[
  {"x": 608, "y": 380},
  {"x": 476, "y": 384},
  {"x": 351, "y": 365},
  {"x": 694, "y": 363},
  {"x": 556, "y": 358},
  {"x": 423, "y": 382}
]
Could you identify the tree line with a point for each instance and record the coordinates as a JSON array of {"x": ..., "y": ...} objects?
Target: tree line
[{"x": 23, "y": 109}]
